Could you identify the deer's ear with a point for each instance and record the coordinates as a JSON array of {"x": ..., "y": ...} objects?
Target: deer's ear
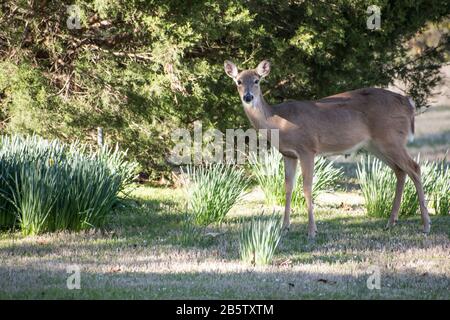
[
  {"x": 230, "y": 69},
  {"x": 263, "y": 68}
]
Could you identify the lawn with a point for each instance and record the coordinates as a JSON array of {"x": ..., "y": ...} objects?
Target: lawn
[{"x": 140, "y": 253}]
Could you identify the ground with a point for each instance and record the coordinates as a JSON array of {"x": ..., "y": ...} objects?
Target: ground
[{"x": 139, "y": 254}]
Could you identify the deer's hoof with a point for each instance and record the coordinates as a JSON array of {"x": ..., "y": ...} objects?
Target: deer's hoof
[
  {"x": 312, "y": 231},
  {"x": 312, "y": 234},
  {"x": 390, "y": 225},
  {"x": 427, "y": 228}
]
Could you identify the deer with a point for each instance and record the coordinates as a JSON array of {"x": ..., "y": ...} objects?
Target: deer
[{"x": 374, "y": 119}]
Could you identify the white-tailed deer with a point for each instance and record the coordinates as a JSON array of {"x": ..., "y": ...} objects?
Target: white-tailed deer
[{"x": 377, "y": 120}]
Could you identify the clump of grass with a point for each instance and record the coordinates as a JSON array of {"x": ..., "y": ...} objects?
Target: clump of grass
[
  {"x": 269, "y": 173},
  {"x": 326, "y": 178},
  {"x": 440, "y": 197},
  {"x": 259, "y": 239},
  {"x": 34, "y": 194},
  {"x": 116, "y": 162},
  {"x": 212, "y": 190},
  {"x": 50, "y": 185},
  {"x": 190, "y": 233},
  {"x": 429, "y": 176},
  {"x": 7, "y": 211},
  {"x": 268, "y": 169},
  {"x": 377, "y": 185},
  {"x": 377, "y": 182}
]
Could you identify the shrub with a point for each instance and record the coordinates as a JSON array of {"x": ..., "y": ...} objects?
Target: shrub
[
  {"x": 212, "y": 190},
  {"x": 269, "y": 172},
  {"x": 49, "y": 185},
  {"x": 259, "y": 239},
  {"x": 169, "y": 55}
]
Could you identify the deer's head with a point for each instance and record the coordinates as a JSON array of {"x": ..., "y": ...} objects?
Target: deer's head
[{"x": 247, "y": 81}]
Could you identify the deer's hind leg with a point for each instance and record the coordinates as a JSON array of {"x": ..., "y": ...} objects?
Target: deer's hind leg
[
  {"x": 412, "y": 168},
  {"x": 401, "y": 177},
  {"x": 397, "y": 157}
]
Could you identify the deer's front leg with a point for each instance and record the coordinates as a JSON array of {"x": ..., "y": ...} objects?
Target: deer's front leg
[
  {"x": 307, "y": 165},
  {"x": 290, "y": 168}
]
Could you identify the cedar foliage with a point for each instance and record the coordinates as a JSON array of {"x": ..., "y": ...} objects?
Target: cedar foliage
[{"x": 140, "y": 68}]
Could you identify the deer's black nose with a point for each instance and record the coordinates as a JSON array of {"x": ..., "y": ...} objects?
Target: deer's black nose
[{"x": 248, "y": 97}]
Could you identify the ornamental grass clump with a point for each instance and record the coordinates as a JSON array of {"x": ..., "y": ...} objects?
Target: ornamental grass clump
[
  {"x": 259, "y": 238},
  {"x": 49, "y": 185},
  {"x": 440, "y": 197},
  {"x": 268, "y": 169},
  {"x": 212, "y": 190},
  {"x": 377, "y": 185},
  {"x": 377, "y": 182}
]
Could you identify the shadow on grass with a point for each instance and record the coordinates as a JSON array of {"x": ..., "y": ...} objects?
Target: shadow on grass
[
  {"x": 149, "y": 222},
  {"x": 143, "y": 226},
  {"x": 40, "y": 283},
  {"x": 341, "y": 239},
  {"x": 143, "y": 216},
  {"x": 358, "y": 238}
]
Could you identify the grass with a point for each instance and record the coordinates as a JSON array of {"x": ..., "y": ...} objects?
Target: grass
[
  {"x": 378, "y": 183},
  {"x": 432, "y": 134},
  {"x": 139, "y": 255},
  {"x": 441, "y": 196},
  {"x": 212, "y": 190},
  {"x": 268, "y": 171},
  {"x": 49, "y": 185}
]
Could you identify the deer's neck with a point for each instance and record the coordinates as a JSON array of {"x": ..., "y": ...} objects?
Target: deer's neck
[{"x": 259, "y": 113}]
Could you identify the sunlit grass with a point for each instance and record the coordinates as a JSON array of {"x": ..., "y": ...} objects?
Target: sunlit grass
[{"x": 139, "y": 255}]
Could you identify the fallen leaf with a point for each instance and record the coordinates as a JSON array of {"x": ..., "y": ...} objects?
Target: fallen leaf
[
  {"x": 213, "y": 234},
  {"x": 115, "y": 269},
  {"x": 285, "y": 263},
  {"x": 326, "y": 281}
]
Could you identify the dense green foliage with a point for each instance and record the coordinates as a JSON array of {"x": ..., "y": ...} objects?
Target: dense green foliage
[
  {"x": 268, "y": 171},
  {"x": 48, "y": 185},
  {"x": 212, "y": 190},
  {"x": 378, "y": 182},
  {"x": 141, "y": 68}
]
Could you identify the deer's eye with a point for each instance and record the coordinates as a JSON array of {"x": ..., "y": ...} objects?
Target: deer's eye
[
  {"x": 239, "y": 82},
  {"x": 256, "y": 81}
]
